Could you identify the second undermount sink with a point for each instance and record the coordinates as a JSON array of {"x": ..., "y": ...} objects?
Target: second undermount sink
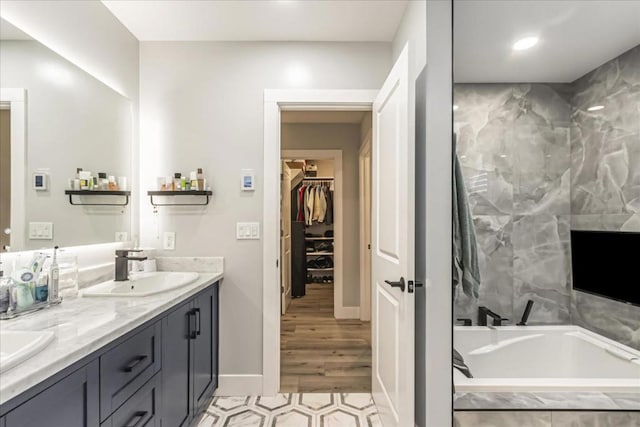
[
  {"x": 18, "y": 346},
  {"x": 142, "y": 285}
]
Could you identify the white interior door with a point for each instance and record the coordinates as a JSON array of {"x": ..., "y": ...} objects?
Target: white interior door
[
  {"x": 393, "y": 301},
  {"x": 285, "y": 237}
]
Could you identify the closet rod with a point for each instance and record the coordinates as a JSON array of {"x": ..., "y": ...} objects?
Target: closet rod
[{"x": 317, "y": 179}]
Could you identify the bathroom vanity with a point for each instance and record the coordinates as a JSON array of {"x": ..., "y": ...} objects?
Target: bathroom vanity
[{"x": 118, "y": 362}]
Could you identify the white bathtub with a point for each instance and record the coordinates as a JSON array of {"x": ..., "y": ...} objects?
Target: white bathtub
[{"x": 544, "y": 358}]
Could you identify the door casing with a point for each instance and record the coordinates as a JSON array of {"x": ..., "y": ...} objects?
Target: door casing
[{"x": 276, "y": 101}]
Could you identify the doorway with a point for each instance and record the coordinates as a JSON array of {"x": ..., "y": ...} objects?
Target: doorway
[
  {"x": 325, "y": 347},
  {"x": 393, "y": 297}
]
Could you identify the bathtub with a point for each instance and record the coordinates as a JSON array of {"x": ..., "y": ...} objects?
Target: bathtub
[{"x": 544, "y": 358}]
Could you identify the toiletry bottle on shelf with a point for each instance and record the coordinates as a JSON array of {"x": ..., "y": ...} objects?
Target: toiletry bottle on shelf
[
  {"x": 200, "y": 178},
  {"x": 177, "y": 179},
  {"x": 193, "y": 177},
  {"x": 103, "y": 182},
  {"x": 112, "y": 183},
  {"x": 54, "y": 291},
  {"x": 183, "y": 183},
  {"x": 84, "y": 177}
]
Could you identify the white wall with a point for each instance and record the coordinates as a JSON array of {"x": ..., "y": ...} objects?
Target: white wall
[
  {"x": 345, "y": 137},
  {"x": 202, "y": 106},
  {"x": 73, "y": 120}
]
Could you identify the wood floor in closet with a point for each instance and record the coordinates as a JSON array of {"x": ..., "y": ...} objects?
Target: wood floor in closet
[{"x": 320, "y": 353}]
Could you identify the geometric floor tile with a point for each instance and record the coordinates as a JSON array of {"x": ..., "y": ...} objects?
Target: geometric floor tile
[
  {"x": 357, "y": 401},
  {"x": 293, "y": 418},
  {"x": 339, "y": 418},
  {"x": 292, "y": 410},
  {"x": 227, "y": 404},
  {"x": 316, "y": 401},
  {"x": 246, "y": 418},
  {"x": 274, "y": 403}
]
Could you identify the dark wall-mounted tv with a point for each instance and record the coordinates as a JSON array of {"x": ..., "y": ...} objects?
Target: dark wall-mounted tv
[{"x": 607, "y": 263}]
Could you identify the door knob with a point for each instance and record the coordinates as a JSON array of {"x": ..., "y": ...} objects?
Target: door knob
[{"x": 399, "y": 284}]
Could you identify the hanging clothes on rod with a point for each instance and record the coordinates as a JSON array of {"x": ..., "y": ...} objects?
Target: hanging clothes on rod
[{"x": 315, "y": 201}]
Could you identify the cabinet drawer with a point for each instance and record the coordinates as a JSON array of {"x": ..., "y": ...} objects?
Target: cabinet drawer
[
  {"x": 126, "y": 367},
  {"x": 141, "y": 409}
]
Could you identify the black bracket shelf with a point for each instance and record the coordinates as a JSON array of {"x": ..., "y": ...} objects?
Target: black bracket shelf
[
  {"x": 206, "y": 194},
  {"x": 100, "y": 193}
]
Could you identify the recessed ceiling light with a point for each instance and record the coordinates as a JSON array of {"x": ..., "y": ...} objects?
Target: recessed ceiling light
[
  {"x": 455, "y": 107},
  {"x": 596, "y": 108},
  {"x": 525, "y": 43}
]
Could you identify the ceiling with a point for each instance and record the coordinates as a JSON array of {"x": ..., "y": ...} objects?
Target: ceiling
[
  {"x": 333, "y": 117},
  {"x": 575, "y": 38},
  {"x": 10, "y": 32},
  {"x": 260, "y": 20}
]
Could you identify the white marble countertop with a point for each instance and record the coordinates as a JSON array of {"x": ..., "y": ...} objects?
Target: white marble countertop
[{"x": 82, "y": 326}]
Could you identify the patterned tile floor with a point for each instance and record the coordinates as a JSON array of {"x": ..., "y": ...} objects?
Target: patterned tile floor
[{"x": 293, "y": 410}]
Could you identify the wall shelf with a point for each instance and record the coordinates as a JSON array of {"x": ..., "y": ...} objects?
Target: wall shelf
[
  {"x": 159, "y": 193},
  {"x": 98, "y": 193}
]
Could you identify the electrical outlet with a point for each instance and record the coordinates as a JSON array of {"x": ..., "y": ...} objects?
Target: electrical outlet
[
  {"x": 122, "y": 236},
  {"x": 169, "y": 241},
  {"x": 41, "y": 230}
]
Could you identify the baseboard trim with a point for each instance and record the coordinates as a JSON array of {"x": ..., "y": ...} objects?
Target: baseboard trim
[
  {"x": 239, "y": 385},
  {"x": 347, "y": 312}
]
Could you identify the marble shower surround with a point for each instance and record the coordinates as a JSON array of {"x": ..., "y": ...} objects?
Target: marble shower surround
[
  {"x": 537, "y": 163},
  {"x": 514, "y": 147},
  {"x": 546, "y": 419}
]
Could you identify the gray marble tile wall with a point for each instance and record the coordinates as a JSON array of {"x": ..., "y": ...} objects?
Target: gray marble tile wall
[
  {"x": 514, "y": 148},
  {"x": 546, "y": 419},
  {"x": 605, "y": 178},
  {"x": 538, "y": 163}
]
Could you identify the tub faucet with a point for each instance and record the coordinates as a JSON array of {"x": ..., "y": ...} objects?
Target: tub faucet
[
  {"x": 484, "y": 312},
  {"x": 122, "y": 263}
]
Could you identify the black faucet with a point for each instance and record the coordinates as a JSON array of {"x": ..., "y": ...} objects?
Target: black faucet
[
  {"x": 122, "y": 263},
  {"x": 484, "y": 312}
]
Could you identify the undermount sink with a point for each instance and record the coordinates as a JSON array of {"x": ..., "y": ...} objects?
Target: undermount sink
[
  {"x": 141, "y": 285},
  {"x": 18, "y": 346}
]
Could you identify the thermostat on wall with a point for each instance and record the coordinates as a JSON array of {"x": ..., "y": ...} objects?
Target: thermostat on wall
[
  {"x": 248, "y": 180},
  {"x": 40, "y": 181}
]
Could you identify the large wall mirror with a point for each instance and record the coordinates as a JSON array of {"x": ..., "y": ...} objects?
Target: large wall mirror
[
  {"x": 67, "y": 120},
  {"x": 547, "y": 167}
]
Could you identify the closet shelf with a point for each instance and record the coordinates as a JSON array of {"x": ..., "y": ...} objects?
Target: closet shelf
[
  {"x": 319, "y": 253},
  {"x": 206, "y": 194},
  {"x": 318, "y": 238},
  {"x": 319, "y": 269},
  {"x": 101, "y": 193}
]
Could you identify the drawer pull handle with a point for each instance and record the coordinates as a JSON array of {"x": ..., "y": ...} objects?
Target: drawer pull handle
[
  {"x": 138, "y": 417},
  {"x": 132, "y": 365}
]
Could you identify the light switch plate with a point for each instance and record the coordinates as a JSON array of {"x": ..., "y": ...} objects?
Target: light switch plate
[
  {"x": 122, "y": 236},
  {"x": 248, "y": 231},
  {"x": 169, "y": 241},
  {"x": 41, "y": 231}
]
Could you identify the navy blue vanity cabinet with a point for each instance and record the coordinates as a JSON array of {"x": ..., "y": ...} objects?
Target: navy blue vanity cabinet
[
  {"x": 205, "y": 346},
  {"x": 176, "y": 377},
  {"x": 189, "y": 358},
  {"x": 71, "y": 402}
]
